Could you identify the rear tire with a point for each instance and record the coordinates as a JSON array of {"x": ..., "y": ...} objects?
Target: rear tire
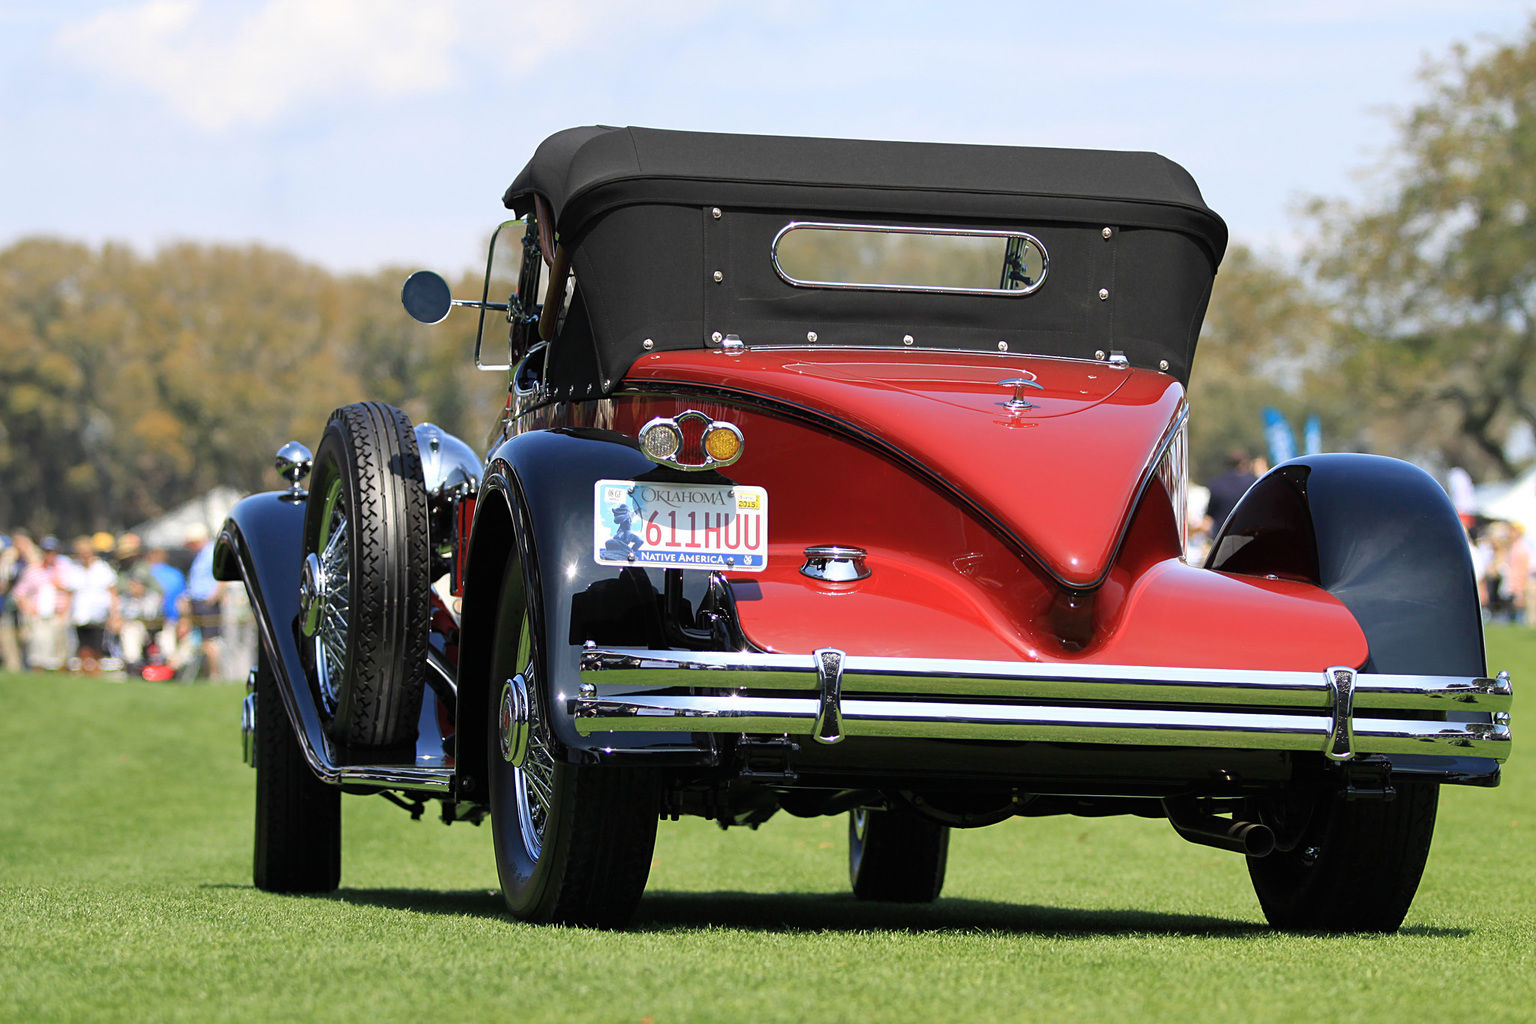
[
  {"x": 298, "y": 817},
  {"x": 895, "y": 857},
  {"x": 1356, "y": 866},
  {"x": 573, "y": 842}
]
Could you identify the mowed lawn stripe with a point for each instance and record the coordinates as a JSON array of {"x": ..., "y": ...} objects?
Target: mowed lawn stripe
[{"x": 125, "y": 834}]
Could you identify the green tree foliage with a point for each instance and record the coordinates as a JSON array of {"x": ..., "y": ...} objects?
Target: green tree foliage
[
  {"x": 1267, "y": 340},
  {"x": 129, "y": 384},
  {"x": 1437, "y": 279}
]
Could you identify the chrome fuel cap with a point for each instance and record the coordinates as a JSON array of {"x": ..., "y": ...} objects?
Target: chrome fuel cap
[{"x": 835, "y": 563}]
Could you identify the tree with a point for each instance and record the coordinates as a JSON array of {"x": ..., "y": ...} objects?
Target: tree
[
  {"x": 1267, "y": 340},
  {"x": 128, "y": 385},
  {"x": 1437, "y": 278}
]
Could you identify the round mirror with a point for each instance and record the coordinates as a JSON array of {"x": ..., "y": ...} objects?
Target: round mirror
[{"x": 426, "y": 297}]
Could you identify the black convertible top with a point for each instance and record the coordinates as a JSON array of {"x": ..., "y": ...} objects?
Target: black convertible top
[
  {"x": 629, "y": 165},
  {"x": 634, "y": 207}
]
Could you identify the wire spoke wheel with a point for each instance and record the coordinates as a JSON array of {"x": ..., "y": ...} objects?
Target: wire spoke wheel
[
  {"x": 332, "y": 598},
  {"x": 535, "y": 778},
  {"x": 573, "y": 841}
]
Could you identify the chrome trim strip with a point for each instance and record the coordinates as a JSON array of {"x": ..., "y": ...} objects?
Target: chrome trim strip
[
  {"x": 1062, "y": 681},
  {"x": 733, "y": 713},
  {"x": 1094, "y": 703},
  {"x": 1013, "y": 293}
]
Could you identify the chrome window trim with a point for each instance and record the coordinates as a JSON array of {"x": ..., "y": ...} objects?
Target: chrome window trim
[{"x": 794, "y": 225}]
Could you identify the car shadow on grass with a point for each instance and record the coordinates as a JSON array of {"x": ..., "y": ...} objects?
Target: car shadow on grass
[
  {"x": 795, "y": 912},
  {"x": 664, "y": 911}
]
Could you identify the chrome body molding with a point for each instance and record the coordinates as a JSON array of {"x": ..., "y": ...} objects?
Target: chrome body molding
[{"x": 833, "y": 695}]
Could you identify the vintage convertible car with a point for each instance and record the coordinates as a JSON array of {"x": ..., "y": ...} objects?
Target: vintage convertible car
[{"x": 850, "y": 478}]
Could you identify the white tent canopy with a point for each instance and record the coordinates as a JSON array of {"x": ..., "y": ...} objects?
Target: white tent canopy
[{"x": 170, "y": 530}]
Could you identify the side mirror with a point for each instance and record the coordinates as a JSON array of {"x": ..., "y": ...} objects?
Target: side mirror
[{"x": 426, "y": 297}]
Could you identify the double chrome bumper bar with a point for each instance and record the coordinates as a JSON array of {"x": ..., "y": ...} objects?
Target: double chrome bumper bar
[{"x": 829, "y": 695}]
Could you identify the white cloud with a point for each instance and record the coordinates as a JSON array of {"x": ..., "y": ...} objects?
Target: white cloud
[
  {"x": 220, "y": 65},
  {"x": 219, "y": 68}
]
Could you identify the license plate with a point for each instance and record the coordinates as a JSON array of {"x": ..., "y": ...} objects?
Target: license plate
[{"x": 681, "y": 526}]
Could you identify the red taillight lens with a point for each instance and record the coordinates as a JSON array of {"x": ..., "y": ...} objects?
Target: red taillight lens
[{"x": 691, "y": 451}]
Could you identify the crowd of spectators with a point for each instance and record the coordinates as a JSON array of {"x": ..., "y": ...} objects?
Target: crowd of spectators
[
  {"x": 1501, "y": 558},
  {"x": 109, "y": 605}
]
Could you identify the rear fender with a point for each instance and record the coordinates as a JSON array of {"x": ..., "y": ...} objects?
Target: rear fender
[
  {"x": 535, "y": 508},
  {"x": 1381, "y": 536}
]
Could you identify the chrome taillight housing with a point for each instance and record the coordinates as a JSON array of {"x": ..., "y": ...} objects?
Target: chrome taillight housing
[
  {"x": 691, "y": 440},
  {"x": 1173, "y": 471}
]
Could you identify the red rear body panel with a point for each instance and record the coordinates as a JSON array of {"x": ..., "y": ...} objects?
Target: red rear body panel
[
  {"x": 973, "y": 518},
  {"x": 1060, "y": 477}
]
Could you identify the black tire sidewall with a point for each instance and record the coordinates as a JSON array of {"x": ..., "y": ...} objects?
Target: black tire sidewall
[{"x": 378, "y": 694}]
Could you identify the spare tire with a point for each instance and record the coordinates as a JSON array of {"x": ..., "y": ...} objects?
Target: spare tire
[{"x": 365, "y": 595}]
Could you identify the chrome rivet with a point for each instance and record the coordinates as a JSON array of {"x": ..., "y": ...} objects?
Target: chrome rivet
[
  {"x": 631, "y": 556},
  {"x": 1002, "y": 346},
  {"x": 607, "y": 383},
  {"x": 906, "y": 339},
  {"x": 716, "y": 337},
  {"x": 715, "y": 212},
  {"x": 730, "y": 562},
  {"x": 1103, "y": 293},
  {"x": 648, "y": 344},
  {"x": 719, "y": 277},
  {"x": 810, "y": 336},
  {"x": 1099, "y": 354},
  {"x": 1107, "y": 232},
  {"x": 1162, "y": 364}
]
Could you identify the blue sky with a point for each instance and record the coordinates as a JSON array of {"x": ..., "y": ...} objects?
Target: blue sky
[{"x": 359, "y": 133}]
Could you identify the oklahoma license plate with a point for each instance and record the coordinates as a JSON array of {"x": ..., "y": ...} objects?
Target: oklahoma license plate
[{"x": 681, "y": 526}]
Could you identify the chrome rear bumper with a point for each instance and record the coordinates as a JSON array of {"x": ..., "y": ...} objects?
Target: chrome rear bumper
[{"x": 829, "y": 695}]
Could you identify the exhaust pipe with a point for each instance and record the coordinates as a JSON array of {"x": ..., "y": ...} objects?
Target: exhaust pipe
[{"x": 1245, "y": 837}]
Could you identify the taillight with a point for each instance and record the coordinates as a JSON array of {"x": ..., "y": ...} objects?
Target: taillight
[{"x": 691, "y": 440}]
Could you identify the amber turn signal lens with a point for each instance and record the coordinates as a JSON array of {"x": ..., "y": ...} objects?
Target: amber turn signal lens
[{"x": 722, "y": 443}]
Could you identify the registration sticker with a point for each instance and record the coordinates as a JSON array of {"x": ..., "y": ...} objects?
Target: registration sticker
[{"x": 681, "y": 526}]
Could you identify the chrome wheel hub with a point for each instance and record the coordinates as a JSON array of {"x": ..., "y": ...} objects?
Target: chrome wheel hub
[
  {"x": 312, "y": 583},
  {"x": 513, "y": 731}
]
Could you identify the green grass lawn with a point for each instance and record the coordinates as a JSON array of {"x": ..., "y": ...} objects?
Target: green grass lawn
[{"x": 125, "y": 834}]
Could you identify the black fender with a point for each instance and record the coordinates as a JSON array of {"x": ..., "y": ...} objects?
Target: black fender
[
  {"x": 262, "y": 544},
  {"x": 535, "y": 507},
  {"x": 1382, "y": 536}
]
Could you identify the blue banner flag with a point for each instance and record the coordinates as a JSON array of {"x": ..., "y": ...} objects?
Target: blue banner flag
[
  {"x": 1279, "y": 435},
  {"x": 1312, "y": 435}
]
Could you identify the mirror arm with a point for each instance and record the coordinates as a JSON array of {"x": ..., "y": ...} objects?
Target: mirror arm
[{"x": 477, "y": 304}]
